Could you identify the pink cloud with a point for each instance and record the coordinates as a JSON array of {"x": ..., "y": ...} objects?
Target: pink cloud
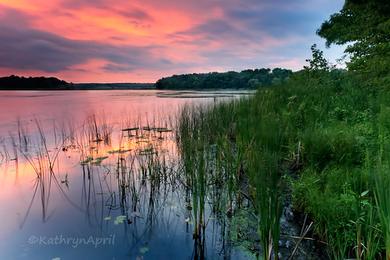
[{"x": 98, "y": 40}]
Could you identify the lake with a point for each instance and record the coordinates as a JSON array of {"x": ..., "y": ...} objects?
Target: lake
[{"x": 97, "y": 175}]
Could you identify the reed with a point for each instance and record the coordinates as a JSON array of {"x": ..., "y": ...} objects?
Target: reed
[
  {"x": 381, "y": 172},
  {"x": 219, "y": 155}
]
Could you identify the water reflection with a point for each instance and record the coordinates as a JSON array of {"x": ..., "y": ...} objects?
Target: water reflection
[{"x": 105, "y": 176}]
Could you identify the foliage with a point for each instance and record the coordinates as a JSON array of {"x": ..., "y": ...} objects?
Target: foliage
[
  {"x": 234, "y": 80},
  {"x": 317, "y": 62},
  {"x": 22, "y": 83},
  {"x": 365, "y": 26}
]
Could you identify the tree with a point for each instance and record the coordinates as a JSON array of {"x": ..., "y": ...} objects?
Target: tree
[
  {"x": 214, "y": 80},
  {"x": 253, "y": 83},
  {"x": 317, "y": 62},
  {"x": 365, "y": 26}
]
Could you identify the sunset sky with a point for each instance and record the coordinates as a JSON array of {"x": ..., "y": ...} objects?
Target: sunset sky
[{"x": 143, "y": 40}]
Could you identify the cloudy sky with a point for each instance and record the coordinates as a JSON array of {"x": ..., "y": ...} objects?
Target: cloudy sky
[{"x": 143, "y": 40}]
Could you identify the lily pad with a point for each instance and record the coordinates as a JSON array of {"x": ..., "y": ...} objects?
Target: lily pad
[
  {"x": 163, "y": 129},
  {"x": 143, "y": 250},
  {"x": 130, "y": 129},
  {"x": 99, "y": 160},
  {"x": 119, "y": 151},
  {"x": 120, "y": 220},
  {"x": 87, "y": 160}
]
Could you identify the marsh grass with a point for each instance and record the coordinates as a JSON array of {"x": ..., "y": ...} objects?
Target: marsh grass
[
  {"x": 136, "y": 174},
  {"x": 37, "y": 152},
  {"x": 4, "y": 153},
  {"x": 222, "y": 159},
  {"x": 381, "y": 172},
  {"x": 99, "y": 129},
  {"x": 325, "y": 135}
]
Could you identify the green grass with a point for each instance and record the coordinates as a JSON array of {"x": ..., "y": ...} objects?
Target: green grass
[
  {"x": 325, "y": 133},
  {"x": 381, "y": 171}
]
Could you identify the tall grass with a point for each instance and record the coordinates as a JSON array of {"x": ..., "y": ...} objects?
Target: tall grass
[
  {"x": 214, "y": 146},
  {"x": 382, "y": 175},
  {"x": 316, "y": 131}
]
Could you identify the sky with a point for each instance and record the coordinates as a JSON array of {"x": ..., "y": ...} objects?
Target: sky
[{"x": 144, "y": 40}]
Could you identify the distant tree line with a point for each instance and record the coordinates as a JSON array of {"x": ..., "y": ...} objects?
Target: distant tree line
[
  {"x": 32, "y": 83},
  {"x": 246, "y": 79}
]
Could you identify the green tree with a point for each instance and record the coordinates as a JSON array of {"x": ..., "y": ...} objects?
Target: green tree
[
  {"x": 317, "y": 62},
  {"x": 253, "y": 83},
  {"x": 364, "y": 25}
]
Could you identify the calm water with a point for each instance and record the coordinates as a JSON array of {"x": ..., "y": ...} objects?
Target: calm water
[{"x": 75, "y": 184}]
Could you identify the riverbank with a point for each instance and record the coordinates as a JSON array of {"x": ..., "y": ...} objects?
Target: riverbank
[{"x": 322, "y": 136}]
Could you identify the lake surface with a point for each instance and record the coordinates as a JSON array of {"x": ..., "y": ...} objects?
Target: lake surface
[{"x": 96, "y": 175}]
